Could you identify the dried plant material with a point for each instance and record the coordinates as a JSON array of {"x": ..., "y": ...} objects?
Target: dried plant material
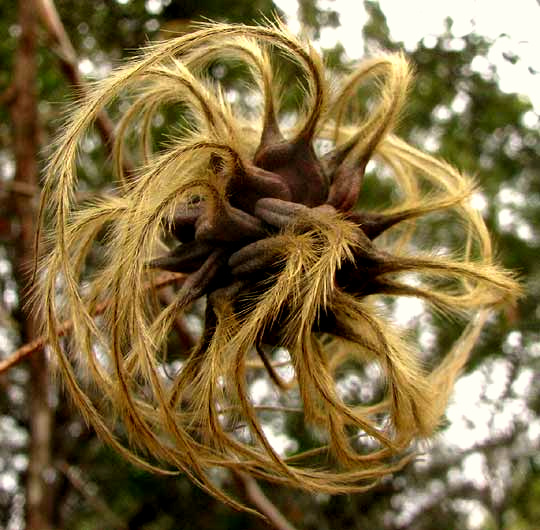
[{"x": 266, "y": 230}]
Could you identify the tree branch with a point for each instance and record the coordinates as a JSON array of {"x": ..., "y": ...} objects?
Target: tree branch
[
  {"x": 22, "y": 188},
  {"x": 256, "y": 496},
  {"x": 25, "y": 126},
  {"x": 28, "y": 349},
  {"x": 70, "y": 64},
  {"x": 73, "y": 475}
]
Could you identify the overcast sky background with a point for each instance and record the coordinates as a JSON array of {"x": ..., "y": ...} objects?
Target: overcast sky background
[{"x": 513, "y": 26}]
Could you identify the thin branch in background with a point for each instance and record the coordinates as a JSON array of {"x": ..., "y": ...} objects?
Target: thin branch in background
[
  {"x": 256, "y": 496},
  {"x": 28, "y": 349},
  {"x": 70, "y": 64},
  {"x": 22, "y": 188},
  {"x": 86, "y": 490},
  {"x": 33, "y": 192}
]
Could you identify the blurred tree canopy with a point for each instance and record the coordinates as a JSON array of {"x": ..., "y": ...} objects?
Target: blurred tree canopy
[{"x": 483, "y": 471}]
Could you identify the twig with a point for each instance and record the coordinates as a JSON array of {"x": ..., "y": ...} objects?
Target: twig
[
  {"x": 73, "y": 475},
  {"x": 69, "y": 62},
  {"x": 27, "y": 349},
  {"x": 33, "y": 191},
  {"x": 256, "y": 496},
  {"x": 22, "y": 188}
]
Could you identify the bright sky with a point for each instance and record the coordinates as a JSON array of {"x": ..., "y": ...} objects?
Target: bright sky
[{"x": 411, "y": 21}]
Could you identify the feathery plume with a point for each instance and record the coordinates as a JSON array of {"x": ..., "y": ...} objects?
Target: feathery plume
[{"x": 267, "y": 232}]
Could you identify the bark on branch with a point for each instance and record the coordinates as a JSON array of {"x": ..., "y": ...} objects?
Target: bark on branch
[
  {"x": 69, "y": 61},
  {"x": 256, "y": 496},
  {"x": 24, "y": 119}
]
